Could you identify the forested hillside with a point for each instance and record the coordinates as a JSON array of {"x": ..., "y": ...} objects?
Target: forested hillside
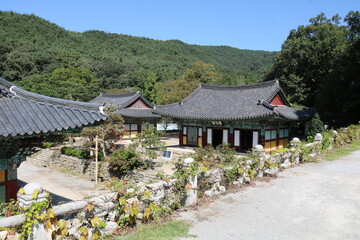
[{"x": 34, "y": 53}]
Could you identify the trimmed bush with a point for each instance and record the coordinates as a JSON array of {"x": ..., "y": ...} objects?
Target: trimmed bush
[
  {"x": 69, "y": 151},
  {"x": 123, "y": 161}
]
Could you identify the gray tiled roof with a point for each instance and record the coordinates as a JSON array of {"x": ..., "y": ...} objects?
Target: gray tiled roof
[
  {"x": 122, "y": 101},
  {"x": 213, "y": 102},
  {"x": 23, "y": 113},
  {"x": 295, "y": 114},
  {"x": 138, "y": 113}
]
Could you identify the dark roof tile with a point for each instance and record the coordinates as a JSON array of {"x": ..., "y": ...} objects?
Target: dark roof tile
[
  {"x": 214, "y": 102},
  {"x": 25, "y": 113}
]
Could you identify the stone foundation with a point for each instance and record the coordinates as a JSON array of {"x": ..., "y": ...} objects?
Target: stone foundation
[{"x": 84, "y": 167}]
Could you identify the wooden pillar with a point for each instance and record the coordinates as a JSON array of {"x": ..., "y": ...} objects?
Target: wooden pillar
[
  {"x": 180, "y": 137},
  {"x": 205, "y": 143},
  {"x": 262, "y": 140},
  {"x": 11, "y": 190},
  {"x": 231, "y": 140},
  {"x": 139, "y": 128},
  {"x": 11, "y": 181}
]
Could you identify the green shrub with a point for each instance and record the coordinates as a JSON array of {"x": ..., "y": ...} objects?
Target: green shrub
[
  {"x": 69, "y": 151},
  {"x": 123, "y": 161},
  {"x": 47, "y": 144},
  {"x": 317, "y": 126},
  {"x": 326, "y": 140}
]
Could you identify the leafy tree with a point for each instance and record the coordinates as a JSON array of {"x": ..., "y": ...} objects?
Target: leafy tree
[
  {"x": 71, "y": 83},
  {"x": 317, "y": 126},
  {"x": 148, "y": 143},
  {"x": 149, "y": 87},
  {"x": 111, "y": 129},
  {"x": 16, "y": 65},
  {"x": 176, "y": 90},
  {"x": 308, "y": 55},
  {"x": 319, "y": 66},
  {"x": 339, "y": 100},
  {"x": 201, "y": 72}
]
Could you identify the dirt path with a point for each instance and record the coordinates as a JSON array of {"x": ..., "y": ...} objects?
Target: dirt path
[
  {"x": 63, "y": 187},
  {"x": 311, "y": 201}
]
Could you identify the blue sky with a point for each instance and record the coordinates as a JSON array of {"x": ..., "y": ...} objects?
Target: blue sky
[{"x": 250, "y": 24}]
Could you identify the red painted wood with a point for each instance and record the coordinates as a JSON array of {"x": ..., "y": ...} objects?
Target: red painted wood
[
  {"x": 231, "y": 140},
  {"x": 180, "y": 137},
  {"x": 277, "y": 101},
  {"x": 204, "y": 139},
  {"x": 262, "y": 140},
  {"x": 138, "y": 104},
  {"x": 11, "y": 190}
]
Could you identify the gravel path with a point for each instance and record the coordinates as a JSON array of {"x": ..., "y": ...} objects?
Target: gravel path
[
  {"x": 311, "y": 201},
  {"x": 63, "y": 187}
]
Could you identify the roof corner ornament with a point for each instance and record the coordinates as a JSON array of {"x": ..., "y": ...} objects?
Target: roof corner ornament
[
  {"x": 181, "y": 103},
  {"x": 12, "y": 91},
  {"x": 260, "y": 102},
  {"x": 101, "y": 108}
]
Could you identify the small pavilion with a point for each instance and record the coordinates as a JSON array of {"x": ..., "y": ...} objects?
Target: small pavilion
[
  {"x": 136, "y": 110},
  {"x": 27, "y": 119},
  {"x": 242, "y": 116}
]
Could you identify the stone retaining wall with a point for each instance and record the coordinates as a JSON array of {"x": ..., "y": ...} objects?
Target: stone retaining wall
[{"x": 52, "y": 158}]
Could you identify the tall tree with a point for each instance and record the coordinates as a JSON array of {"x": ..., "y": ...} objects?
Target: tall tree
[
  {"x": 319, "y": 65},
  {"x": 308, "y": 55},
  {"x": 176, "y": 90},
  {"x": 339, "y": 100},
  {"x": 149, "y": 87}
]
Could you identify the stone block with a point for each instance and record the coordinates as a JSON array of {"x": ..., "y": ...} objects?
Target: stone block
[{"x": 286, "y": 164}]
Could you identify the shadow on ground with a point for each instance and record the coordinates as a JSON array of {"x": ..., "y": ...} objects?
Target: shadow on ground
[{"x": 56, "y": 199}]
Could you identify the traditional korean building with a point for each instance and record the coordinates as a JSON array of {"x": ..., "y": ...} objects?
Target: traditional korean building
[
  {"x": 135, "y": 109},
  {"x": 27, "y": 119},
  {"x": 242, "y": 116}
]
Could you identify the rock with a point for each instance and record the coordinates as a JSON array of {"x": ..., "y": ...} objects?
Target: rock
[
  {"x": 110, "y": 227},
  {"x": 209, "y": 193},
  {"x": 216, "y": 189},
  {"x": 286, "y": 164},
  {"x": 158, "y": 196},
  {"x": 247, "y": 179},
  {"x": 188, "y": 160},
  {"x": 241, "y": 180},
  {"x": 30, "y": 188},
  {"x": 4, "y": 235},
  {"x": 271, "y": 171},
  {"x": 236, "y": 183},
  {"x": 38, "y": 232},
  {"x": 259, "y": 174},
  {"x": 318, "y": 137},
  {"x": 222, "y": 189},
  {"x": 73, "y": 226},
  {"x": 214, "y": 175}
]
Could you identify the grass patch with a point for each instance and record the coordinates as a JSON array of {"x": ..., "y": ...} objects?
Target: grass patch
[
  {"x": 67, "y": 171},
  {"x": 340, "y": 152},
  {"x": 161, "y": 231}
]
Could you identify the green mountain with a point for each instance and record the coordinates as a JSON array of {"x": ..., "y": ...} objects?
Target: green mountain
[{"x": 31, "y": 46}]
